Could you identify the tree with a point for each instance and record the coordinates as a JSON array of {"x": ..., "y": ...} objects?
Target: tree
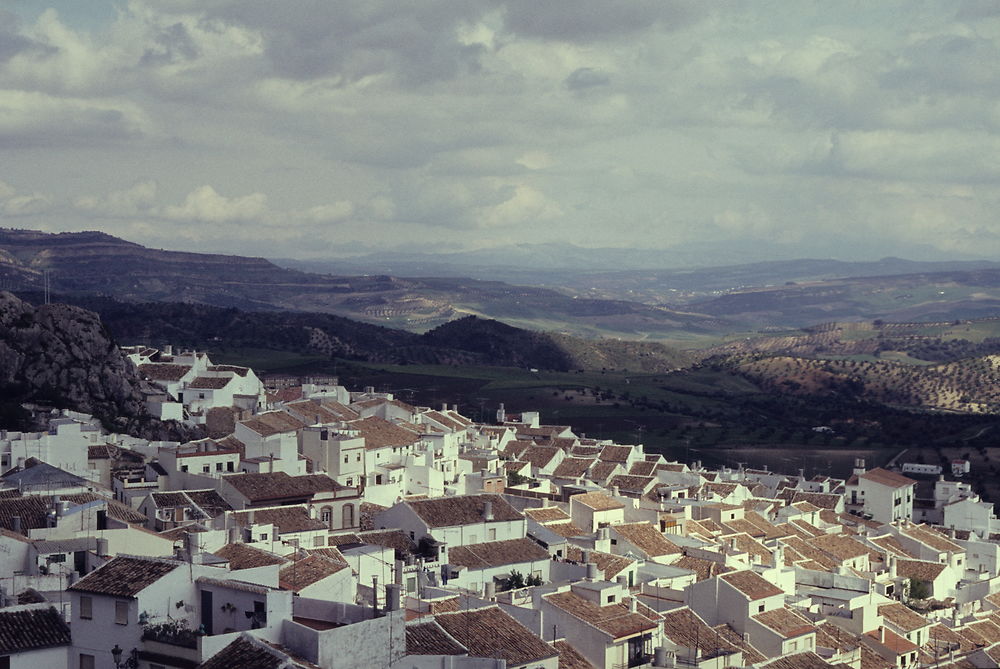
[{"x": 918, "y": 589}]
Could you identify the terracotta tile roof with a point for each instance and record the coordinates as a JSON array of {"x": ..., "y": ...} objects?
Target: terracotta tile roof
[
  {"x": 163, "y": 371},
  {"x": 31, "y": 510},
  {"x": 600, "y": 472},
  {"x": 821, "y": 500},
  {"x": 243, "y": 653},
  {"x": 890, "y": 545},
  {"x": 647, "y": 538},
  {"x": 573, "y": 468},
  {"x": 209, "y": 501},
  {"x": 496, "y": 554},
  {"x": 902, "y": 617},
  {"x": 285, "y": 518},
  {"x": 571, "y": 658},
  {"x": 642, "y": 468},
  {"x": 587, "y": 451},
  {"x": 235, "y": 369},
  {"x": 597, "y": 501},
  {"x": 514, "y": 448},
  {"x": 747, "y": 544},
  {"x": 805, "y": 528},
  {"x": 429, "y": 638},
  {"x": 546, "y": 514},
  {"x": 931, "y": 537},
  {"x": 835, "y": 638},
  {"x": 671, "y": 467},
  {"x": 807, "y": 660},
  {"x": 840, "y": 546},
  {"x": 635, "y": 484},
  {"x": 943, "y": 637},
  {"x": 984, "y": 632},
  {"x": 608, "y": 563},
  {"x": 279, "y": 486},
  {"x": 565, "y": 443},
  {"x": 539, "y": 456},
  {"x": 746, "y": 527},
  {"x": 751, "y": 584},
  {"x": 872, "y": 660},
  {"x": 462, "y": 510},
  {"x": 489, "y": 632},
  {"x": 566, "y": 529},
  {"x": 614, "y": 620},
  {"x": 750, "y": 654},
  {"x": 446, "y": 421},
  {"x": 919, "y": 569},
  {"x": 165, "y": 499},
  {"x": 124, "y": 576},
  {"x": 806, "y": 551},
  {"x": 805, "y": 507},
  {"x": 891, "y": 640},
  {"x": 32, "y": 629},
  {"x": 887, "y": 478},
  {"x": 720, "y": 489},
  {"x": 322, "y": 411},
  {"x": 785, "y": 622},
  {"x": 116, "y": 509},
  {"x": 685, "y": 628},
  {"x": 273, "y": 422},
  {"x": 380, "y": 433},
  {"x": 703, "y": 569},
  {"x": 242, "y": 556},
  {"x": 395, "y": 539},
  {"x": 210, "y": 382},
  {"x": 302, "y": 572},
  {"x": 619, "y": 454}
]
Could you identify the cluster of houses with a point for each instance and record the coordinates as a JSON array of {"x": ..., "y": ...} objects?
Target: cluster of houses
[{"x": 342, "y": 529}]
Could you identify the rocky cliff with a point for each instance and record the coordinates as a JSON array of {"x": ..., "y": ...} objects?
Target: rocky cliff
[{"x": 62, "y": 356}]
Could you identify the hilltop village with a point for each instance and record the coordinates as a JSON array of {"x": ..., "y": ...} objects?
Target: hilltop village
[{"x": 343, "y": 528}]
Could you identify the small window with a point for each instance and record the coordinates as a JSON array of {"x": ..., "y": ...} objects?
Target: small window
[
  {"x": 205, "y": 469},
  {"x": 201, "y": 396},
  {"x": 121, "y": 613},
  {"x": 358, "y": 458},
  {"x": 86, "y": 607},
  {"x": 86, "y": 661},
  {"x": 350, "y": 481},
  {"x": 346, "y": 458},
  {"x": 611, "y": 599},
  {"x": 760, "y": 609},
  {"x": 184, "y": 468},
  {"x": 229, "y": 466},
  {"x": 493, "y": 534},
  {"x": 218, "y": 466},
  {"x": 263, "y": 537}
]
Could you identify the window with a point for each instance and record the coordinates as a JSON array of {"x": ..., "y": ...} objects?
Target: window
[
  {"x": 358, "y": 458},
  {"x": 205, "y": 469},
  {"x": 121, "y": 613},
  {"x": 492, "y": 534},
  {"x": 263, "y": 537},
  {"x": 348, "y": 515},
  {"x": 411, "y": 584},
  {"x": 611, "y": 599},
  {"x": 184, "y": 468},
  {"x": 760, "y": 609},
  {"x": 201, "y": 396},
  {"x": 350, "y": 481},
  {"x": 218, "y": 466},
  {"x": 229, "y": 466},
  {"x": 86, "y": 661},
  {"x": 346, "y": 458},
  {"x": 86, "y": 607},
  {"x": 326, "y": 515}
]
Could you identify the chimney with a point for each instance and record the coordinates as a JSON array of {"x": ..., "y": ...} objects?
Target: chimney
[
  {"x": 102, "y": 547},
  {"x": 398, "y": 572},
  {"x": 545, "y": 502},
  {"x": 632, "y": 607},
  {"x": 168, "y": 349},
  {"x": 490, "y": 590},
  {"x": 488, "y": 510},
  {"x": 444, "y": 406},
  {"x": 454, "y": 407},
  {"x": 593, "y": 572},
  {"x": 374, "y": 596},
  {"x": 614, "y": 491},
  {"x": 881, "y": 634},
  {"x": 392, "y": 596}
]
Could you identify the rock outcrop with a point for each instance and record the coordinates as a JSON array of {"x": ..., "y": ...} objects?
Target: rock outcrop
[{"x": 62, "y": 356}]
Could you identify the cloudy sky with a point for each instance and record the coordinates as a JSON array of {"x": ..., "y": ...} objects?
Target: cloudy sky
[{"x": 313, "y": 128}]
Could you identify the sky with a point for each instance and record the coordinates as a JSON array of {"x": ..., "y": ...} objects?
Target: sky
[{"x": 320, "y": 128}]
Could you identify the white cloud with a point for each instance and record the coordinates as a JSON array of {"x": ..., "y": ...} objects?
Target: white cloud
[
  {"x": 139, "y": 198},
  {"x": 207, "y": 206}
]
